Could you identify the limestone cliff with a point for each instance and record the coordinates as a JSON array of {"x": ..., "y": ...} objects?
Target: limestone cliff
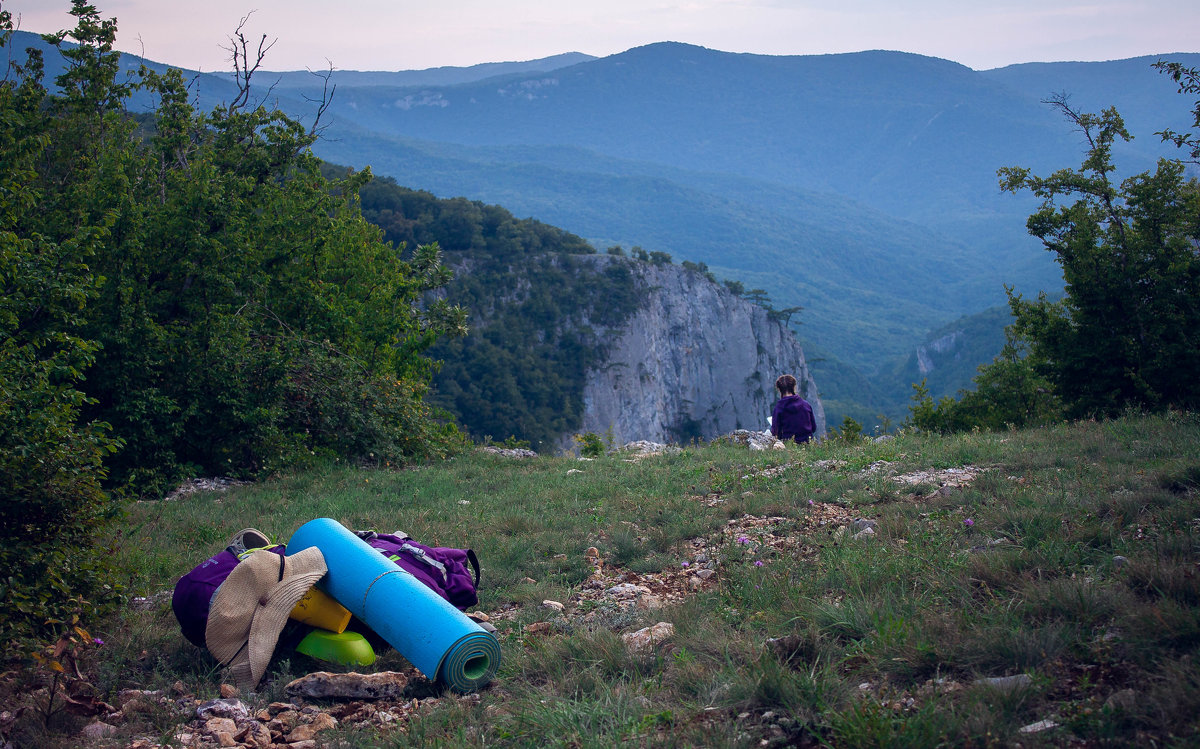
[{"x": 693, "y": 361}]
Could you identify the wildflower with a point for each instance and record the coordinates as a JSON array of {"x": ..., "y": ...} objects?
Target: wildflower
[
  {"x": 686, "y": 564},
  {"x": 743, "y": 540},
  {"x": 758, "y": 563},
  {"x": 968, "y": 522},
  {"x": 810, "y": 503},
  {"x": 97, "y": 641}
]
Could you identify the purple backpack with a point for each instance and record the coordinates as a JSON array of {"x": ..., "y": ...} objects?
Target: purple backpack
[
  {"x": 194, "y": 591},
  {"x": 441, "y": 569}
]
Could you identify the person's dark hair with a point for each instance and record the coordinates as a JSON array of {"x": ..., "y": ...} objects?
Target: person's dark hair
[{"x": 786, "y": 385}]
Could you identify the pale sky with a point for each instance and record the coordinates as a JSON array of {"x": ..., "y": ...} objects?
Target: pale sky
[{"x": 416, "y": 34}]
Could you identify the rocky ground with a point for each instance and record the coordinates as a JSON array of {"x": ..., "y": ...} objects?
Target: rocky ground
[{"x": 611, "y": 597}]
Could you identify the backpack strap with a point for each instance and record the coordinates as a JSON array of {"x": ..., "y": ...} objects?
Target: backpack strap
[{"x": 474, "y": 560}]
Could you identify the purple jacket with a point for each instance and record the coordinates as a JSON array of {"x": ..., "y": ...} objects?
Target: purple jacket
[{"x": 793, "y": 419}]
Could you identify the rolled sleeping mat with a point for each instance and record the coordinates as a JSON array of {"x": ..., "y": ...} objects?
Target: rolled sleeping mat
[{"x": 433, "y": 635}]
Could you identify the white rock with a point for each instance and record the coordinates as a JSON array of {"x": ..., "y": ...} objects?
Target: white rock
[{"x": 648, "y": 637}]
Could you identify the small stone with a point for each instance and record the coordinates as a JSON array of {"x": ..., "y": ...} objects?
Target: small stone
[
  {"x": 529, "y": 581},
  {"x": 225, "y": 739},
  {"x": 1125, "y": 699},
  {"x": 539, "y": 628},
  {"x": 649, "y": 602},
  {"x": 865, "y": 533},
  {"x": 305, "y": 744},
  {"x": 275, "y": 708},
  {"x": 307, "y": 731},
  {"x": 220, "y": 725},
  {"x": 548, "y": 604},
  {"x": 322, "y": 685},
  {"x": 648, "y": 637},
  {"x": 1119, "y": 561},
  {"x": 695, "y": 583},
  {"x": 592, "y": 552},
  {"x": 1041, "y": 725},
  {"x": 223, "y": 708},
  {"x": 479, "y": 616},
  {"x": 865, "y": 686},
  {"x": 705, "y": 574},
  {"x": 701, "y": 558},
  {"x": 228, "y": 691},
  {"x": 861, "y": 524},
  {"x": 743, "y": 716},
  {"x": 1007, "y": 683},
  {"x": 98, "y": 730}
]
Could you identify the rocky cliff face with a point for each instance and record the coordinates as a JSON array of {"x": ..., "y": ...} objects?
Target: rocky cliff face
[{"x": 694, "y": 361}]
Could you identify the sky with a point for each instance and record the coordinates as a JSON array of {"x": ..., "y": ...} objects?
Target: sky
[{"x": 417, "y": 34}]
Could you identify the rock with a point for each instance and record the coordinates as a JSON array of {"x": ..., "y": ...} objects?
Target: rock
[
  {"x": 865, "y": 533},
  {"x": 627, "y": 591},
  {"x": 225, "y": 739},
  {"x": 573, "y": 470},
  {"x": 649, "y": 602},
  {"x": 1041, "y": 725},
  {"x": 692, "y": 353},
  {"x": 705, "y": 574},
  {"x": 308, "y": 731},
  {"x": 1125, "y": 699},
  {"x": 539, "y": 628},
  {"x": 1007, "y": 683},
  {"x": 647, "y": 637},
  {"x": 883, "y": 438},
  {"x": 479, "y": 616},
  {"x": 695, "y": 583},
  {"x": 861, "y": 524},
  {"x": 98, "y": 730},
  {"x": 255, "y": 734},
  {"x": 592, "y": 553},
  {"x": 275, "y": 708},
  {"x": 1119, "y": 561},
  {"x": 516, "y": 452},
  {"x": 488, "y": 627},
  {"x": 322, "y": 685},
  {"x": 529, "y": 581},
  {"x": 306, "y": 744},
  {"x": 220, "y": 725},
  {"x": 223, "y": 708},
  {"x": 555, "y": 605},
  {"x": 228, "y": 691}
]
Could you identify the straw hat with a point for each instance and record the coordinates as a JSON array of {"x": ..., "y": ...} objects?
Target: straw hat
[{"x": 249, "y": 609}]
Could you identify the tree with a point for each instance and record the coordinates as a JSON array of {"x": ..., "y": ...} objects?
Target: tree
[{"x": 1127, "y": 331}]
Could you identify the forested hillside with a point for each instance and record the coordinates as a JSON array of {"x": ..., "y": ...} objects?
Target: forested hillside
[{"x": 538, "y": 315}]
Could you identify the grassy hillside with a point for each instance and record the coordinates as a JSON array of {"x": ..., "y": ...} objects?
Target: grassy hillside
[{"x": 1065, "y": 557}]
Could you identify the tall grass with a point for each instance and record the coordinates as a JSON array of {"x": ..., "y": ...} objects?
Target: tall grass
[{"x": 1073, "y": 558}]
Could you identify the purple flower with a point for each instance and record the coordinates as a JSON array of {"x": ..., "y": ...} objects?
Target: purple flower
[
  {"x": 758, "y": 563},
  {"x": 810, "y": 503},
  {"x": 968, "y": 522},
  {"x": 97, "y": 641},
  {"x": 685, "y": 564},
  {"x": 743, "y": 540}
]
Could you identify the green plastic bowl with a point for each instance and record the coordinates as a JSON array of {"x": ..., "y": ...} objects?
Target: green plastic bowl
[{"x": 347, "y": 648}]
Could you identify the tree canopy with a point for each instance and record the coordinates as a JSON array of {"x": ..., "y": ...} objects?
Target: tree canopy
[{"x": 184, "y": 293}]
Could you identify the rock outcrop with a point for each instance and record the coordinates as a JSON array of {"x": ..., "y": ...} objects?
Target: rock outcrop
[{"x": 695, "y": 361}]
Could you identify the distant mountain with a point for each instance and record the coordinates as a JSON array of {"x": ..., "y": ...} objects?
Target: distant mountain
[
  {"x": 443, "y": 76},
  {"x": 860, "y": 186}
]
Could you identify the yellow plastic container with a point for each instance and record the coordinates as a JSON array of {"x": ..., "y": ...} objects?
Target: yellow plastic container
[{"x": 317, "y": 609}]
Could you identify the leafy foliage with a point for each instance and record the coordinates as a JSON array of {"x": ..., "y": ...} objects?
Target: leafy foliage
[
  {"x": 182, "y": 293},
  {"x": 50, "y": 460},
  {"x": 1128, "y": 330}
]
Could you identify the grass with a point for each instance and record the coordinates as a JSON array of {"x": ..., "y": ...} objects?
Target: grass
[{"x": 1079, "y": 567}]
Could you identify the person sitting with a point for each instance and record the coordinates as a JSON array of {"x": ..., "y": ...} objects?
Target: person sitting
[{"x": 792, "y": 418}]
